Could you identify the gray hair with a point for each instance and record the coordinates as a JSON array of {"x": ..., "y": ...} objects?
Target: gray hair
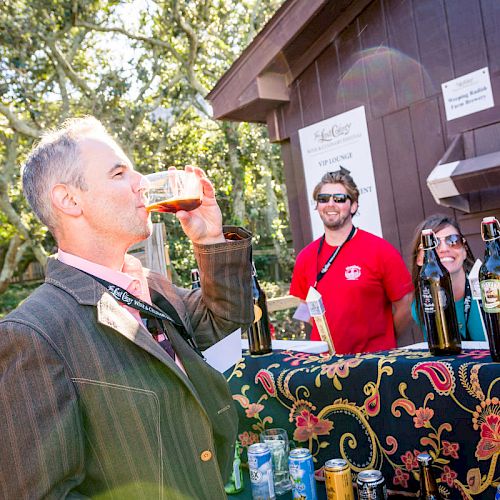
[{"x": 56, "y": 159}]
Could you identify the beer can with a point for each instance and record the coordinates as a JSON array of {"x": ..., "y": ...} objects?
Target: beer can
[
  {"x": 338, "y": 480},
  {"x": 260, "y": 466},
  {"x": 497, "y": 495},
  {"x": 300, "y": 465},
  {"x": 371, "y": 485}
]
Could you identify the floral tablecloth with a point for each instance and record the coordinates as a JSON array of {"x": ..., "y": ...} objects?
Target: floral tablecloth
[{"x": 380, "y": 411}]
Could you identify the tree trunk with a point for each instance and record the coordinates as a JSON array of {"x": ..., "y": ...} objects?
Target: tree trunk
[
  {"x": 237, "y": 172},
  {"x": 12, "y": 258}
]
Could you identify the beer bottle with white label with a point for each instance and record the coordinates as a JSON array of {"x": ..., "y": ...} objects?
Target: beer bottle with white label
[
  {"x": 259, "y": 333},
  {"x": 489, "y": 282},
  {"x": 436, "y": 300}
]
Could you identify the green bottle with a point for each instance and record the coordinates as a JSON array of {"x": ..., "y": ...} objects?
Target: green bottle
[{"x": 235, "y": 484}]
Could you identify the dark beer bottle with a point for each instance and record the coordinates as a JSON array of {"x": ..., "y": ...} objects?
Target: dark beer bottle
[
  {"x": 436, "y": 300},
  {"x": 195, "y": 279},
  {"x": 259, "y": 334},
  {"x": 428, "y": 486},
  {"x": 489, "y": 282}
]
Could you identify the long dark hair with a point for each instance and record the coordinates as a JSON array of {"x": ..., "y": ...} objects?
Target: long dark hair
[{"x": 436, "y": 222}]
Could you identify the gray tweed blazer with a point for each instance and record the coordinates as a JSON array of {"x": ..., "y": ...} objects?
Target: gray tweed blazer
[{"x": 91, "y": 405}]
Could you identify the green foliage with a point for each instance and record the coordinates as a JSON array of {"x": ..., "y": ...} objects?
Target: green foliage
[
  {"x": 14, "y": 295},
  {"x": 143, "y": 68}
]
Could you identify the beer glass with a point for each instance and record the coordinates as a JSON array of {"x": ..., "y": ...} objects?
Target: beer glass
[
  {"x": 277, "y": 442},
  {"x": 173, "y": 190}
]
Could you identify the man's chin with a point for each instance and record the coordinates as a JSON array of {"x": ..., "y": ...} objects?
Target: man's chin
[
  {"x": 143, "y": 233},
  {"x": 335, "y": 224}
]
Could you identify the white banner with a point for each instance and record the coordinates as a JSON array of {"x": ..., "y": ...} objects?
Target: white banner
[{"x": 341, "y": 141}]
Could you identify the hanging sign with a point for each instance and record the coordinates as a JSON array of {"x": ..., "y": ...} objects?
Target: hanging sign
[{"x": 467, "y": 94}]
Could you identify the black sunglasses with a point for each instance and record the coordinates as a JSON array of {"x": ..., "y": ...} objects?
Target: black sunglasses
[{"x": 337, "y": 197}]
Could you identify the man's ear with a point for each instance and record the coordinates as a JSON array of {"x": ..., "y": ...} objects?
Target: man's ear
[
  {"x": 65, "y": 199},
  {"x": 354, "y": 208}
]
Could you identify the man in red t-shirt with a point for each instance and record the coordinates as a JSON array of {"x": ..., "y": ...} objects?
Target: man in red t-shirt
[{"x": 367, "y": 289}]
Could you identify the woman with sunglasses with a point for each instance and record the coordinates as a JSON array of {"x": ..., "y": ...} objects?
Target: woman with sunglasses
[{"x": 455, "y": 254}]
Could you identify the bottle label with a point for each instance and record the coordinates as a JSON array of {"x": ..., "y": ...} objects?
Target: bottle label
[
  {"x": 257, "y": 311},
  {"x": 236, "y": 474},
  {"x": 490, "y": 293},
  {"x": 428, "y": 301}
]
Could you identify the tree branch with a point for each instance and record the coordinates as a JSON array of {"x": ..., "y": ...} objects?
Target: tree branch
[
  {"x": 66, "y": 66},
  {"x": 132, "y": 36},
  {"x": 64, "y": 92},
  {"x": 13, "y": 256},
  {"x": 17, "y": 124},
  {"x": 191, "y": 35}
]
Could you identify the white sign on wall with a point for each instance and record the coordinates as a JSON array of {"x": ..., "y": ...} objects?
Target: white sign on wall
[
  {"x": 467, "y": 94},
  {"x": 341, "y": 141}
]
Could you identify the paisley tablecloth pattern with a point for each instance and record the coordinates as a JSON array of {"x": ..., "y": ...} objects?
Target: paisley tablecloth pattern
[{"x": 379, "y": 411}]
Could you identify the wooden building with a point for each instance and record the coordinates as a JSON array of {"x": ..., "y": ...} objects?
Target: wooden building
[{"x": 316, "y": 59}]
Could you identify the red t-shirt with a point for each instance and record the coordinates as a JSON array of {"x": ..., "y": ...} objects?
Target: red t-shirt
[{"x": 367, "y": 275}]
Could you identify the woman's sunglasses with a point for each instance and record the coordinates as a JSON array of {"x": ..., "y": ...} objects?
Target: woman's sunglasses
[
  {"x": 337, "y": 197},
  {"x": 451, "y": 241}
]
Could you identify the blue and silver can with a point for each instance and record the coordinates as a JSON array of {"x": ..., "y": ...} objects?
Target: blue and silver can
[
  {"x": 260, "y": 466},
  {"x": 497, "y": 495},
  {"x": 300, "y": 464}
]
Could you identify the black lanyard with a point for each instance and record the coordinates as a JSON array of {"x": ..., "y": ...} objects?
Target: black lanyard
[
  {"x": 332, "y": 257},
  {"x": 467, "y": 304},
  {"x": 150, "y": 311}
]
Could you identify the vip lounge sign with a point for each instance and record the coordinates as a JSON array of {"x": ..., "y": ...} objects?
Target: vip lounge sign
[
  {"x": 467, "y": 94},
  {"x": 341, "y": 141}
]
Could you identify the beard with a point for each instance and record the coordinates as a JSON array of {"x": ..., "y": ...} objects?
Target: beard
[{"x": 337, "y": 223}]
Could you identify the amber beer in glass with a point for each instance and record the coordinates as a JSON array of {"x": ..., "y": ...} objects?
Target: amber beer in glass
[
  {"x": 489, "y": 282},
  {"x": 173, "y": 190},
  {"x": 173, "y": 205},
  {"x": 436, "y": 300}
]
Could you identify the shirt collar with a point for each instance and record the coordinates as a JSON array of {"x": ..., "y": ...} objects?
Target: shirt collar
[{"x": 118, "y": 278}]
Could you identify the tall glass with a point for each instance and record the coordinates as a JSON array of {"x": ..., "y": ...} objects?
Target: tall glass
[
  {"x": 279, "y": 446},
  {"x": 173, "y": 190}
]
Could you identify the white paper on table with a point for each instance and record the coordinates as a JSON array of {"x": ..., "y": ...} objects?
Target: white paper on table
[
  {"x": 466, "y": 344},
  {"x": 225, "y": 353},
  {"x": 309, "y": 346}
]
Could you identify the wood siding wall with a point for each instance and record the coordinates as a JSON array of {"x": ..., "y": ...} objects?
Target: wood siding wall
[{"x": 392, "y": 59}]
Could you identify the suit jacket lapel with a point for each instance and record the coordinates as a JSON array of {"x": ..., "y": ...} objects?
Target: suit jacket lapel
[
  {"x": 111, "y": 314},
  {"x": 87, "y": 291}
]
